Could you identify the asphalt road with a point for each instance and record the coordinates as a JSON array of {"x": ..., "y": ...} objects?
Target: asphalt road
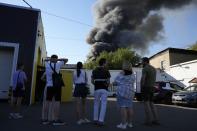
[{"x": 172, "y": 118}]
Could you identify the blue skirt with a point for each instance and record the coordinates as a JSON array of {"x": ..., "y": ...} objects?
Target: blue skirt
[{"x": 123, "y": 102}]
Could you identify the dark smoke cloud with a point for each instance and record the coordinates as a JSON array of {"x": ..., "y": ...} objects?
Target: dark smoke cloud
[{"x": 128, "y": 23}]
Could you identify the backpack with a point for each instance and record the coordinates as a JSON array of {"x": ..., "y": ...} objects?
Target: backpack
[{"x": 57, "y": 78}]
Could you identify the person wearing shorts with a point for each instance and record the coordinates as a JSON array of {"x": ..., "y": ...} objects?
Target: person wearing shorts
[
  {"x": 53, "y": 92},
  {"x": 18, "y": 91}
]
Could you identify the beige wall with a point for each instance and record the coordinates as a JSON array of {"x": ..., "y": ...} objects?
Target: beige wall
[{"x": 156, "y": 61}]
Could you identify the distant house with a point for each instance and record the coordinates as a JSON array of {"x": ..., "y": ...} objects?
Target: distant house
[
  {"x": 171, "y": 56},
  {"x": 185, "y": 72},
  {"x": 21, "y": 40}
]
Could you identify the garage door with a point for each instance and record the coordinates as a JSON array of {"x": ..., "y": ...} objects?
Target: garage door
[{"x": 6, "y": 64}]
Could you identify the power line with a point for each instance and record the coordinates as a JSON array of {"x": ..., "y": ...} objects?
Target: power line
[
  {"x": 27, "y": 3},
  {"x": 67, "y": 19},
  {"x": 62, "y": 38}
]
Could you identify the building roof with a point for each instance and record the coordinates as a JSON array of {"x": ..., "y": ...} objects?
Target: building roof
[
  {"x": 194, "y": 80},
  {"x": 19, "y": 7},
  {"x": 175, "y": 50}
]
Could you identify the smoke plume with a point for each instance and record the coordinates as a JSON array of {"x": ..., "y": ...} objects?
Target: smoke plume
[{"x": 128, "y": 23}]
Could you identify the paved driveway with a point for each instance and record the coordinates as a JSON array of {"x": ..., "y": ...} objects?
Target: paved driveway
[{"x": 172, "y": 118}]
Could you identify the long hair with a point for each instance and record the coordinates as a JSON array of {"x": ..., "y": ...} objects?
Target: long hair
[{"x": 79, "y": 67}]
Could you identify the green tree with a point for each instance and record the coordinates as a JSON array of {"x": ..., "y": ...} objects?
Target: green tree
[
  {"x": 115, "y": 59},
  {"x": 193, "y": 47}
]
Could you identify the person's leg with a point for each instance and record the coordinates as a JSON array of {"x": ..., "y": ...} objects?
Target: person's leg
[
  {"x": 154, "y": 112},
  {"x": 45, "y": 110},
  {"x": 78, "y": 109},
  {"x": 123, "y": 113},
  {"x": 96, "y": 104},
  {"x": 56, "y": 108},
  {"x": 103, "y": 105},
  {"x": 83, "y": 106},
  {"x": 13, "y": 105},
  {"x": 18, "y": 104},
  {"x": 147, "y": 110},
  {"x": 45, "y": 106},
  {"x": 49, "y": 104},
  {"x": 130, "y": 114}
]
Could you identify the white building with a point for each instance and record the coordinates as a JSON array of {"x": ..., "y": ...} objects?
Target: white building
[{"x": 184, "y": 72}]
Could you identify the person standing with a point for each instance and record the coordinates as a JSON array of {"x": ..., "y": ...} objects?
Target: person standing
[
  {"x": 101, "y": 80},
  {"x": 80, "y": 93},
  {"x": 125, "y": 92},
  {"x": 147, "y": 87},
  {"x": 53, "y": 66},
  {"x": 18, "y": 90}
]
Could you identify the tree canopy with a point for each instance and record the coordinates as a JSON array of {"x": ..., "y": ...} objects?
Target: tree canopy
[
  {"x": 193, "y": 47},
  {"x": 115, "y": 59}
]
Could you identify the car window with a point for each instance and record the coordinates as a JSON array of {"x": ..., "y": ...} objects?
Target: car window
[
  {"x": 176, "y": 87},
  {"x": 191, "y": 88}
]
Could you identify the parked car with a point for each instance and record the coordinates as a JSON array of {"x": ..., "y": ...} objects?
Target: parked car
[
  {"x": 188, "y": 96},
  {"x": 164, "y": 90}
]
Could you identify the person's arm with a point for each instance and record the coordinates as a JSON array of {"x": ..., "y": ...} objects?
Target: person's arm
[
  {"x": 43, "y": 77},
  {"x": 92, "y": 77},
  {"x": 25, "y": 76},
  {"x": 108, "y": 78},
  {"x": 142, "y": 82},
  {"x": 47, "y": 59},
  {"x": 86, "y": 77},
  {"x": 65, "y": 60}
]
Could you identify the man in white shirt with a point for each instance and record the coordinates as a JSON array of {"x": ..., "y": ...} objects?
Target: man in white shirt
[{"x": 53, "y": 66}]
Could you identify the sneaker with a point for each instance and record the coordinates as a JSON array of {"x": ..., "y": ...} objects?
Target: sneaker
[
  {"x": 148, "y": 124},
  {"x": 45, "y": 122},
  {"x": 18, "y": 116},
  {"x": 122, "y": 126},
  {"x": 12, "y": 116},
  {"x": 100, "y": 123},
  {"x": 130, "y": 125},
  {"x": 81, "y": 121},
  {"x": 58, "y": 123},
  {"x": 95, "y": 122},
  {"x": 86, "y": 120}
]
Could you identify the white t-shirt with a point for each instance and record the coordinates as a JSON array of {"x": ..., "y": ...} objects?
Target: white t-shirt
[
  {"x": 49, "y": 71},
  {"x": 81, "y": 79}
]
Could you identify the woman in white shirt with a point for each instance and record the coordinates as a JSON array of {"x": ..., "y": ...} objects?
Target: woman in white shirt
[{"x": 80, "y": 93}]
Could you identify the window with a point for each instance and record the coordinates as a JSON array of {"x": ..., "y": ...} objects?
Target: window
[
  {"x": 163, "y": 65},
  {"x": 176, "y": 87}
]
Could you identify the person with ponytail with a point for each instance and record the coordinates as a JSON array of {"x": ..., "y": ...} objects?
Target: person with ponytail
[{"x": 80, "y": 93}]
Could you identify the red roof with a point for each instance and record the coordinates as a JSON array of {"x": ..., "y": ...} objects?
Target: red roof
[{"x": 194, "y": 80}]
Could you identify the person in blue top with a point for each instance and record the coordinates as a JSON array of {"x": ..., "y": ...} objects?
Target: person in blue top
[
  {"x": 18, "y": 90},
  {"x": 125, "y": 92}
]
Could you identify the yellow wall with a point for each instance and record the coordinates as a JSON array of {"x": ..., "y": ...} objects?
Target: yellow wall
[{"x": 68, "y": 81}]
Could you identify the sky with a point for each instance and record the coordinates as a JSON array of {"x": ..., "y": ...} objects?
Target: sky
[{"x": 67, "y": 39}]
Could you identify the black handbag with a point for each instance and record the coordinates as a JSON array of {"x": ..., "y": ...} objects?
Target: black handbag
[{"x": 57, "y": 77}]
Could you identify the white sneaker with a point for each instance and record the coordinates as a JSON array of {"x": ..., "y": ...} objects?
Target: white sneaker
[
  {"x": 86, "y": 120},
  {"x": 122, "y": 126},
  {"x": 81, "y": 121},
  {"x": 130, "y": 125},
  {"x": 15, "y": 116}
]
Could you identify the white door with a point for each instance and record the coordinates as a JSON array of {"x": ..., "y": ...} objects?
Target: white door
[{"x": 6, "y": 65}]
